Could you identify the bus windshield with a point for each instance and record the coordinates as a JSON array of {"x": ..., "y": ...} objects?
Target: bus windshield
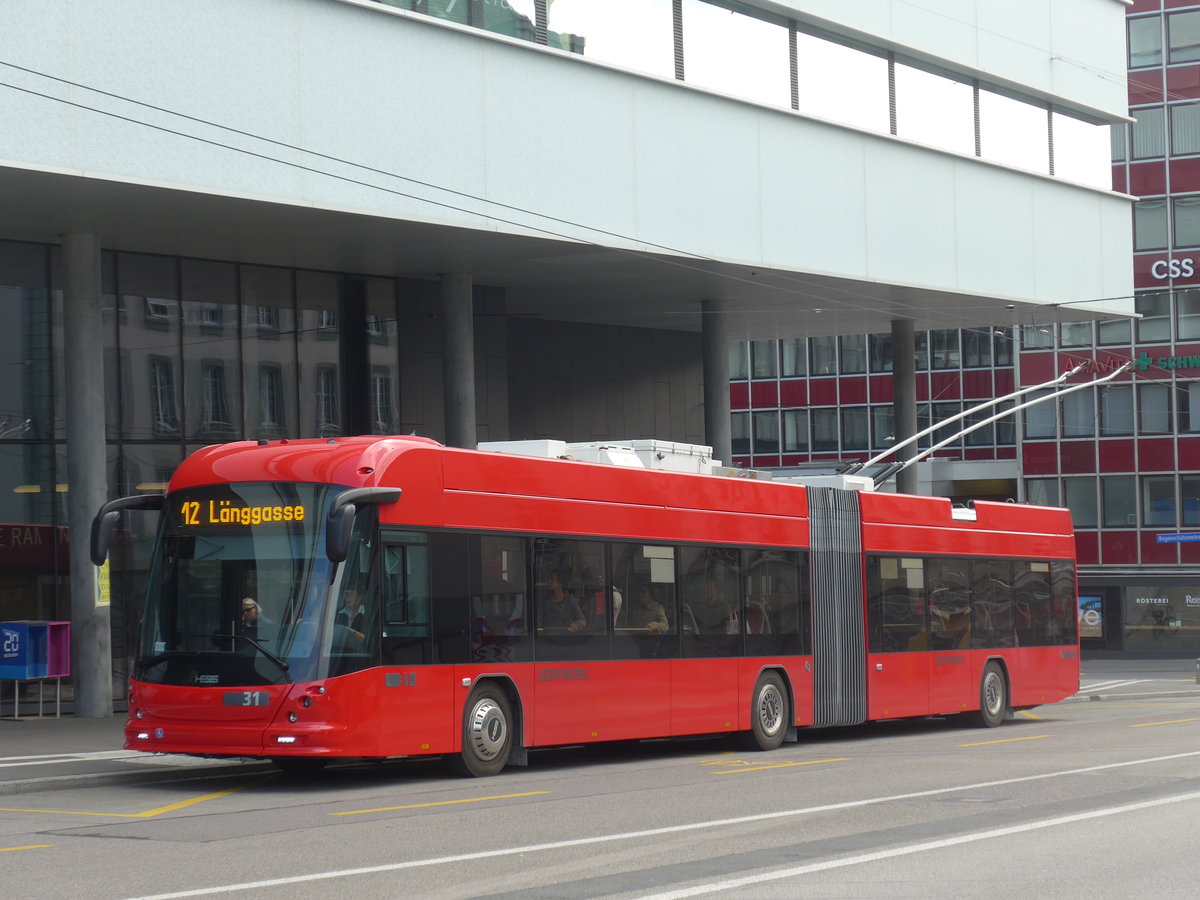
[{"x": 238, "y": 587}]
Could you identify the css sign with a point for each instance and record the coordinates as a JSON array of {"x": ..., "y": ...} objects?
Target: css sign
[{"x": 1172, "y": 268}]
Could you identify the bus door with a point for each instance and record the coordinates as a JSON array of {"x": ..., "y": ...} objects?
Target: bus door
[
  {"x": 416, "y": 698},
  {"x": 953, "y": 686},
  {"x": 898, "y": 638}
]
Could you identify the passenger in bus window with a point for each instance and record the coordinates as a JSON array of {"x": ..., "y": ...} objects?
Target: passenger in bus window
[
  {"x": 560, "y": 609},
  {"x": 648, "y": 613}
]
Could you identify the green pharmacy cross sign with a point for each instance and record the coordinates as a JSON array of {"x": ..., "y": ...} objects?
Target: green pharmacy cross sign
[{"x": 1144, "y": 361}]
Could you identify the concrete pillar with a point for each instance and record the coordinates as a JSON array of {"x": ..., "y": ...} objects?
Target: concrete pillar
[
  {"x": 458, "y": 360},
  {"x": 714, "y": 339},
  {"x": 91, "y": 636},
  {"x": 904, "y": 398}
]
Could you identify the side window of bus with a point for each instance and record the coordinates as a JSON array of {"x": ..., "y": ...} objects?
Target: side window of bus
[
  {"x": 896, "y": 604},
  {"x": 1063, "y": 603},
  {"x": 991, "y": 604},
  {"x": 645, "y": 614},
  {"x": 405, "y": 598},
  {"x": 500, "y": 599},
  {"x": 1031, "y": 603},
  {"x": 772, "y": 613},
  {"x": 572, "y": 605},
  {"x": 711, "y": 608},
  {"x": 948, "y": 586}
]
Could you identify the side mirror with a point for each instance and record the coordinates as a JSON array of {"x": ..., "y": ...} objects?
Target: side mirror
[
  {"x": 339, "y": 525},
  {"x": 106, "y": 520}
]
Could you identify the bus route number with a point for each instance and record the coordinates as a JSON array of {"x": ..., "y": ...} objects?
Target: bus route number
[{"x": 246, "y": 698}]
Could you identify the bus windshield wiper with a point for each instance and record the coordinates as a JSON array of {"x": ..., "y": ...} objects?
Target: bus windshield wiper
[
  {"x": 253, "y": 642},
  {"x": 147, "y": 662}
]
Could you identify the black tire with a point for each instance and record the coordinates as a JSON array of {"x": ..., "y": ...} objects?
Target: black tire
[
  {"x": 487, "y": 734},
  {"x": 993, "y": 697},
  {"x": 299, "y": 765},
  {"x": 770, "y": 713}
]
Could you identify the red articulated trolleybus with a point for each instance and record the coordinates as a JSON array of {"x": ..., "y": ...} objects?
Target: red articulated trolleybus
[{"x": 376, "y": 597}]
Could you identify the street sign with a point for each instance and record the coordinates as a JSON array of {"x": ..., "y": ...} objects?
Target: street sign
[{"x": 1186, "y": 537}]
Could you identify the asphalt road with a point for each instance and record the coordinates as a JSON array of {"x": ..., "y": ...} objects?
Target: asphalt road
[{"x": 1096, "y": 799}]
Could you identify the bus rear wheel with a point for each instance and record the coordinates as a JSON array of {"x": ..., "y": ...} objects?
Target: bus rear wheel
[
  {"x": 993, "y": 697},
  {"x": 769, "y": 713},
  {"x": 487, "y": 734}
]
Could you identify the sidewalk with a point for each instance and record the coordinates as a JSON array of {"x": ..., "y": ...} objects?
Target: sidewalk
[{"x": 59, "y": 754}]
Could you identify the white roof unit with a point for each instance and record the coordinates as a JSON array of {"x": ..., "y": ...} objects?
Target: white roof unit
[{"x": 640, "y": 454}]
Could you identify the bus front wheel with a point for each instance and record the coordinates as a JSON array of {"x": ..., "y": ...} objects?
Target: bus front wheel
[
  {"x": 487, "y": 734},
  {"x": 993, "y": 697},
  {"x": 769, "y": 713}
]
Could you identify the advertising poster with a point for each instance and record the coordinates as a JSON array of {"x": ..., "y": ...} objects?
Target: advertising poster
[{"x": 1091, "y": 616}]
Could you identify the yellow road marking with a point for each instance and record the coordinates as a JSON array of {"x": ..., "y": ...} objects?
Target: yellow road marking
[
  {"x": 787, "y": 765},
  {"x": 1032, "y": 737},
  {"x": 1172, "y": 722},
  {"x": 359, "y": 812},
  {"x": 30, "y": 847},
  {"x": 184, "y": 804},
  {"x": 1028, "y": 715},
  {"x": 146, "y": 814}
]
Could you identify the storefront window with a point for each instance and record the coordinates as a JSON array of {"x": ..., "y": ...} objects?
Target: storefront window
[
  {"x": 1162, "y": 618},
  {"x": 27, "y": 407}
]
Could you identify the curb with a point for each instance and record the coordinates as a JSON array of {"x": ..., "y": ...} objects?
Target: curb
[
  {"x": 1084, "y": 698},
  {"x": 101, "y": 779}
]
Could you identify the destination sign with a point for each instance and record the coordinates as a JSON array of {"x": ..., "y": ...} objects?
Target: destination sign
[{"x": 195, "y": 513}]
